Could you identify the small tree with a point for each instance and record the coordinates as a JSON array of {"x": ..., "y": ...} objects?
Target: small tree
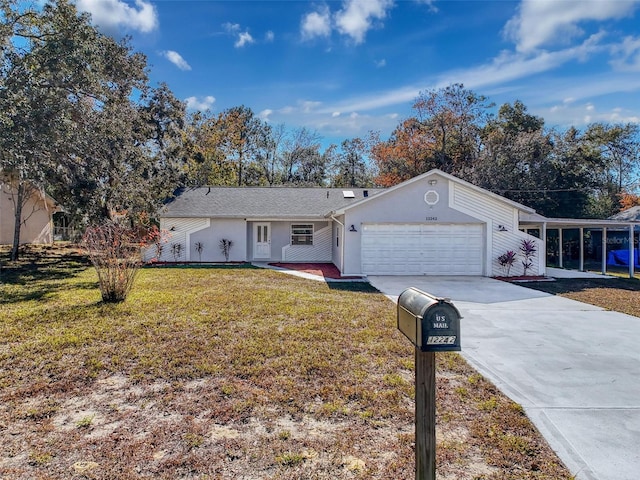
[
  {"x": 159, "y": 249},
  {"x": 176, "y": 251},
  {"x": 157, "y": 238},
  {"x": 528, "y": 250},
  {"x": 115, "y": 252},
  {"x": 199, "y": 248},
  {"x": 506, "y": 261},
  {"x": 225, "y": 247}
]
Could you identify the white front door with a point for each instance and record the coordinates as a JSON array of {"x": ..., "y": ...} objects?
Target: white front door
[{"x": 261, "y": 240}]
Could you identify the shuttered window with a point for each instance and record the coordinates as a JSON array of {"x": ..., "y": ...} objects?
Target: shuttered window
[{"x": 302, "y": 234}]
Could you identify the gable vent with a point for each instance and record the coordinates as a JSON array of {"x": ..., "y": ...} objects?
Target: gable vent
[{"x": 348, "y": 194}]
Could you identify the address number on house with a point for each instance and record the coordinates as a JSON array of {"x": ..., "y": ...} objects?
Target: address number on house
[{"x": 441, "y": 340}]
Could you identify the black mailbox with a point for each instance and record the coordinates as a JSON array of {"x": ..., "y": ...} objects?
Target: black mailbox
[{"x": 432, "y": 324}]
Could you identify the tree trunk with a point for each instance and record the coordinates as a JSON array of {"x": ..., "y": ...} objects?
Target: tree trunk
[{"x": 19, "y": 200}]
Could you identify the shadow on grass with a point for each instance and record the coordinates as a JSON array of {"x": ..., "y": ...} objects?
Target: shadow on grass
[
  {"x": 39, "y": 271},
  {"x": 191, "y": 266},
  {"x": 362, "y": 287}
]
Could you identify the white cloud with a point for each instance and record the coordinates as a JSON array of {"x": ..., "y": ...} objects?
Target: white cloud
[
  {"x": 316, "y": 24},
  {"x": 308, "y": 105},
  {"x": 193, "y": 103},
  {"x": 428, "y": 3},
  {"x": 231, "y": 27},
  {"x": 512, "y": 65},
  {"x": 584, "y": 114},
  {"x": 540, "y": 23},
  {"x": 357, "y": 16},
  {"x": 114, "y": 14},
  {"x": 399, "y": 96},
  {"x": 335, "y": 114},
  {"x": 627, "y": 55},
  {"x": 381, "y": 63},
  {"x": 499, "y": 72},
  {"x": 269, "y": 36},
  {"x": 244, "y": 38},
  {"x": 176, "y": 59},
  {"x": 264, "y": 114}
]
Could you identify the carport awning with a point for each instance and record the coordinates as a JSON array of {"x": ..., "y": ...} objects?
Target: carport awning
[{"x": 532, "y": 220}]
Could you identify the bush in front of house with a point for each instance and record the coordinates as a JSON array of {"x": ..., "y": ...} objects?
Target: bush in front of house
[{"x": 116, "y": 253}]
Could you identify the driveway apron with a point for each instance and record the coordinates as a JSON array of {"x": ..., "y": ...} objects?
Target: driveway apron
[{"x": 575, "y": 368}]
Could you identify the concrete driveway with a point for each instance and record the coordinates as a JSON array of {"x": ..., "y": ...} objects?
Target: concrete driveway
[{"x": 575, "y": 368}]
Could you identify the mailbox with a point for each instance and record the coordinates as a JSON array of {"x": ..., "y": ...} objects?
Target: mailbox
[{"x": 432, "y": 324}]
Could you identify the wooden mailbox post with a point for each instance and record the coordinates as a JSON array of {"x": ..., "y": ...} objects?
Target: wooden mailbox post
[{"x": 433, "y": 325}]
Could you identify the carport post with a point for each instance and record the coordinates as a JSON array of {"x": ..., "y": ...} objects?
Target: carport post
[
  {"x": 631, "y": 251},
  {"x": 560, "y": 248},
  {"x": 604, "y": 250},
  {"x": 581, "y": 266},
  {"x": 425, "y": 415}
]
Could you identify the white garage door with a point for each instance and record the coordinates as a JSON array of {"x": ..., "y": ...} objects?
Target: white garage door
[{"x": 417, "y": 249}]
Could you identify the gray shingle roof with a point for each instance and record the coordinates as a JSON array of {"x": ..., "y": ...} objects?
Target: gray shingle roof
[
  {"x": 261, "y": 202},
  {"x": 630, "y": 215}
]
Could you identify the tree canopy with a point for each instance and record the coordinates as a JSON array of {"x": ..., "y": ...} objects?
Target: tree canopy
[
  {"x": 568, "y": 173},
  {"x": 78, "y": 117},
  {"x": 80, "y": 121}
]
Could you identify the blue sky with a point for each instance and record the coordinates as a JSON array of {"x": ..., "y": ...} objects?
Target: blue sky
[{"x": 346, "y": 67}]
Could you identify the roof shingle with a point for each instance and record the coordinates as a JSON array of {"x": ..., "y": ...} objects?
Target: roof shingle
[{"x": 261, "y": 202}]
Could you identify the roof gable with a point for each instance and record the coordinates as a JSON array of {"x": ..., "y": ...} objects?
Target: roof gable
[{"x": 435, "y": 171}]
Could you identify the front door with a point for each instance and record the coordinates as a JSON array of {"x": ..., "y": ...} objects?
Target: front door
[{"x": 261, "y": 240}]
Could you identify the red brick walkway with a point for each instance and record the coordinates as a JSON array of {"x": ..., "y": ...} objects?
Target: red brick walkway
[{"x": 326, "y": 270}]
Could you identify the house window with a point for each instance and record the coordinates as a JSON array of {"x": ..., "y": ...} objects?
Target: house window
[{"x": 302, "y": 234}]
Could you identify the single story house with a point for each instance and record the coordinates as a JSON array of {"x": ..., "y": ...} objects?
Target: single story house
[
  {"x": 432, "y": 224},
  {"x": 37, "y": 216}
]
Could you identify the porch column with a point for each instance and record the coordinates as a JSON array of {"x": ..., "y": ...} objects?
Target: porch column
[
  {"x": 544, "y": 248},
  {"x": 560, "y": 244},
  {"x": 631, "y": 251},
  {"x": 604, "y": 250},
  {"x": 581, "y": 265}
]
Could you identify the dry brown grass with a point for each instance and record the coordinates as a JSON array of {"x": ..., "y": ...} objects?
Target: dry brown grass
[
  {"x": 617, "y": 294},
  {"x": 231, "y": 373}
]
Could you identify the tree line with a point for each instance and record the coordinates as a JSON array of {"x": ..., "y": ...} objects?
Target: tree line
[
  {"x": 561, "y": 173},
  {"x": 80, "y": 121}
]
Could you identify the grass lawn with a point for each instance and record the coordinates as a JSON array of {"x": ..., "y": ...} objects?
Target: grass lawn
[
  {"x": 231, "y": 373},
  {"x": 617, "y": 294}
]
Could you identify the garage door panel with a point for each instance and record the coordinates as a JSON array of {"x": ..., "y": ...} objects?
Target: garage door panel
[{"x": 416, "y": 249}]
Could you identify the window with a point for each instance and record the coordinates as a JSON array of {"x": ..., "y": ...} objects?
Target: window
[{"x": 302, "y": 234}]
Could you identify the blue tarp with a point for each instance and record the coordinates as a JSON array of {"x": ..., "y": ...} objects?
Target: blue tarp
[{"x": 620, "y": 258}]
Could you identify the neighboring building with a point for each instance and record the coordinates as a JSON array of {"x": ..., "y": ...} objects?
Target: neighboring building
[
  {"x": 433, "y": 224},
  {"x": 37, "y": 214}
]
